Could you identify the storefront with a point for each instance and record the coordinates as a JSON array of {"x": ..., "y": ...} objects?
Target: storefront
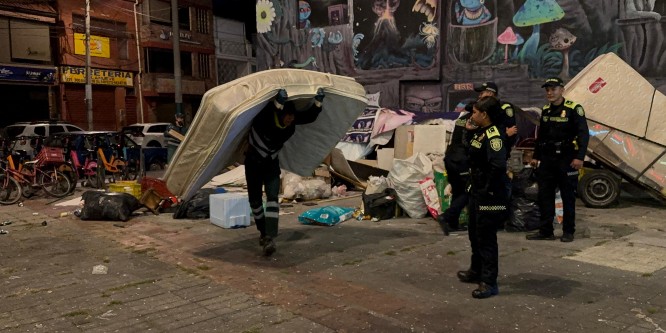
[
  {"x": 27, "y": 94},
  {"x": 113, "y": 101}
]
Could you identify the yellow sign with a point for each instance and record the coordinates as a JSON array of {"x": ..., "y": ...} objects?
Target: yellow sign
[
  {"x": 98, "y": 76},
  {"x": 99, "y": 46}
]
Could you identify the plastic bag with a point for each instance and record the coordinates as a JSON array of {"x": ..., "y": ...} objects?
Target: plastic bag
[
  {"x": 304, "y": 188},
  {"x": 198, "y": 207},
  {"x": 326, "y": 216},
  {"x": 559, "y": 207},
  {"x": 431, "y": 197},
  {"x": 108, "y": 206},
  {"x": 524, "y": 215},
  {"x": 405, "y": 176},
  {"x": 380, "y": 205},
  {"x": 376, "y": 185}
]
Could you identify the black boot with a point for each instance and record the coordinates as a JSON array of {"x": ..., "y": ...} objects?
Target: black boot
[
  {"x": 485, "y": 290},
  {"x": 442, "y": 224},
  {"x": 269, "y": 246},
  {"x": 468, "y": 276}
]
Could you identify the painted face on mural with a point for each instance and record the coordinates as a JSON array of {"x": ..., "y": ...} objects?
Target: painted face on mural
[
  {"x": 304, "y": 10},
  {"x": 385, "y": 7}
]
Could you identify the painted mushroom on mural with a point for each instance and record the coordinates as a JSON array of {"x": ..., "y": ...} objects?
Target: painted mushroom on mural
[
  {"x": 562, "y": 40},
  {"x": 519, "y": 41},
  {"x": 534, "y": 13},
  {"x": 508, "y": 37}
]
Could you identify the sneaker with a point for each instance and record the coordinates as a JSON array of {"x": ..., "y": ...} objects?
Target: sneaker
[
  {"x": 269, "y": 246},
  {"x": 539, "y": 236},
  {"x": 567, "y": 237},
  {"x": 485, "y": 290},
  {"x": 468, "y": 276}
]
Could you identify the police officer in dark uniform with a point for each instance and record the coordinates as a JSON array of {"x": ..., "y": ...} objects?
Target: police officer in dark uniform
[
  {"x": 488, "y": 196},
  {"x": 508, "y": 123},
  {"x": 271, "y": 128},
  {"x": 560, "y": 148},
  {"x": 456, "y": 162}
]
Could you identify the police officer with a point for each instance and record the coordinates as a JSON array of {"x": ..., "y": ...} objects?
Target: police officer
[
  {"x": 488, "y": 197},
  {"x": 456, "y": 163},
  {"x": 508, "y": 123},
  {"x": 172, "y": 141},
  {"x": 271, "y": 128},
  {"x": 560, "y": 148}
]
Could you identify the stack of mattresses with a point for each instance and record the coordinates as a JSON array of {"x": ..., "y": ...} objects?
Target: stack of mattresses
[
  {"x": 218, "y": 134},
  {"x": 627, "y": 119}
]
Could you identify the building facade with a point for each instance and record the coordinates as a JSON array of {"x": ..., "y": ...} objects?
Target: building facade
[
  {"x": 28, "y": 87},
  {"x": 233, "y": 52},
  {"x": 197, "y": 55},
  {"x": 114, "y": 63}
]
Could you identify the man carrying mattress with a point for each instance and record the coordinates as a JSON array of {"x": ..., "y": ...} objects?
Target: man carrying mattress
[{"x": 271, "y": 128}]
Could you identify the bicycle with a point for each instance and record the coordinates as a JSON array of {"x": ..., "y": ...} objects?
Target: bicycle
[
  {"x": 38, "y": 174},
  {"x": 10, "y": 190}
]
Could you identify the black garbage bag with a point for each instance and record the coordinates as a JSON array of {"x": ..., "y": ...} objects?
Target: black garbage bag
[
  {"x": 524, "y": 215},
  {"x": 108, "y": 206},
  {"x": 524, "y": 184},
  {"x": 198, "y": 207},
  {"x": 380, "y": 205}
]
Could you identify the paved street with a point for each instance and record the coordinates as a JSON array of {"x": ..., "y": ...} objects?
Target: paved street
[{"x": 389, "y": 276}]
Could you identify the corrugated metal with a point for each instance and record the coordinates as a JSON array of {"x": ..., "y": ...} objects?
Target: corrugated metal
[{"x": 104, "y": 114}]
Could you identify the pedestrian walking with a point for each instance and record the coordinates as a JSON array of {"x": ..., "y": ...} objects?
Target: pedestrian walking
[
  {"x": 560, "y": 149},
  {"x": 271, "y": 128},
  {"x": 488, "y": 198}
]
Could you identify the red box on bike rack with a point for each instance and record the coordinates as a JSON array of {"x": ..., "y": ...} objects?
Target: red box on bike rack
[{"x": 51, "y": 155}]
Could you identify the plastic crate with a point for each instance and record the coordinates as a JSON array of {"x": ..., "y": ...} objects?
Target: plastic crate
[
  {"x": 130, "y": 187},
  {"x": 49, "y": 155}
]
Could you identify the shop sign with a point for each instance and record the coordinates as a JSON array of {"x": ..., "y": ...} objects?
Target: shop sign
[
  {"x": 463, "y": 86},
  {"x": 99, "y": 46},
  {"x": 29, "y": 74},
  {"x": 98, "y": 76}
]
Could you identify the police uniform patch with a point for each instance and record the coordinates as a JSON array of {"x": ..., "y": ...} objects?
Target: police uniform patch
[
  {"x": 496, "y": 144},
  {"x": 580, "y": 111},
  {"x": 509, "y": 112}
]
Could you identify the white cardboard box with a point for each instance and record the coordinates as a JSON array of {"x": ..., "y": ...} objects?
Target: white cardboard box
[
  {"x": 385, "y": 158},
  {"x": 412, "y": 139},
  {"x": 229, "y": 210}
]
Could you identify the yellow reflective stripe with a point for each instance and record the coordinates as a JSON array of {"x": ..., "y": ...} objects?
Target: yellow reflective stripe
[
  {"x": 492, "y": 132},
  {"x": 505, "y": 106}
]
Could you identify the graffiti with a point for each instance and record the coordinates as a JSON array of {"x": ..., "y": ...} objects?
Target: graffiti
[
  {"x": 385, "y": 43},
  {"x": 394, "y": 36},
  {"x": 472, "y": 12}
]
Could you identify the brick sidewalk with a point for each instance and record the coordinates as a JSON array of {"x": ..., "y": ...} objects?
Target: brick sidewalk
[{"x": 393, "y": 276}]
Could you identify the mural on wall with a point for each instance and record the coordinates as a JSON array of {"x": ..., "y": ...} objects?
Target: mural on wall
[
  {"x": 388, "y": 45},
  {"x": 395, "y": 34}
]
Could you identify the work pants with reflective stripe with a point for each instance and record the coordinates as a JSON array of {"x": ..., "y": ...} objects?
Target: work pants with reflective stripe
[
  {"x": 556, "y": 172},
  {"x": 484, "y": 219},
  {"x": 263, "y": 173}
]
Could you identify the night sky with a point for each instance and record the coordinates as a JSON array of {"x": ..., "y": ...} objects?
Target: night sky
[{"x": 240, "y": 10}]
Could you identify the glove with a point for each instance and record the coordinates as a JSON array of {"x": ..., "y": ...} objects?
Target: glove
[
  {"x": 281, "y": 96},
  {"x": 320, "y": 95}
]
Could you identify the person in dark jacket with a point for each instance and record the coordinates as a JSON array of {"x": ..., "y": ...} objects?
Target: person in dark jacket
[
  {"x": 560, "y": 149},
  {"x": 271, "y": 128},
  {"x": 488, "y": 198},
  {"x": 172, "y": 141},
  {"x": 456, "y": 163}
]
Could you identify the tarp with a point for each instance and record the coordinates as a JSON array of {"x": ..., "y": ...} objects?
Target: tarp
[{"x": 218, "y": 134}]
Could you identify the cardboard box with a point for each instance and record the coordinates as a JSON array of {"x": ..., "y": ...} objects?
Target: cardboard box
[
  {"x": 322, "y": 172},
  {"x": 385, "y": 158},
  {"x": 229, "y": 210},
  {"x": 413, "y": 139}
]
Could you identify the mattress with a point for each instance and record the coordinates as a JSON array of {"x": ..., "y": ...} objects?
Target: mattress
[
  {"x": 614, "y": 94},
  {"x": 217, "y": 136}
]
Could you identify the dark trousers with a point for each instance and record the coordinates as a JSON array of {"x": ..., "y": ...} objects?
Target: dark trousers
[
  {"x": 553, "y": 174},
  {"x": 263, "y": 173},
  {"x": 459, "y": 196},
  {"x": 484, "y": 219}
]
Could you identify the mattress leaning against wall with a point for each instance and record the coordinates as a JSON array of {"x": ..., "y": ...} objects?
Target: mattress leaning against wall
[
  {"x": 218, "y": 133},
  {"x": 627, "y": 119}
]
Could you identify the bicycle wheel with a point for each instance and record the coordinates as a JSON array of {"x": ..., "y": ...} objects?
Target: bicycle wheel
[
  {"x": 54, "y": 183},
  {"x": 10, "y": 190}
]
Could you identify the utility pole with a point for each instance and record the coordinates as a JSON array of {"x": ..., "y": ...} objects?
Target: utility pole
[
  {"x": 176, "y": 56},
  {"x": 89, "y": 105}
]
